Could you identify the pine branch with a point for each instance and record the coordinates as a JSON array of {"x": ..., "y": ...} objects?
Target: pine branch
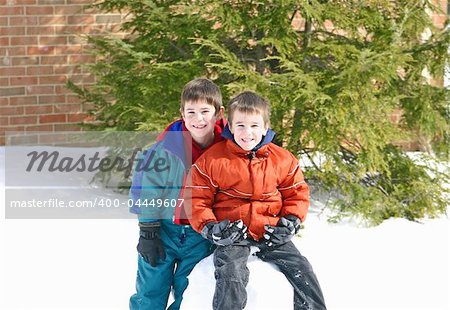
[
  {"x": 340, "y": 37},
  {"x": 307, "y": 153}
]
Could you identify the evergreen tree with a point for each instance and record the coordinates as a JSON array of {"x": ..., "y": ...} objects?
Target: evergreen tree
[{"x": 334, "y": 72}]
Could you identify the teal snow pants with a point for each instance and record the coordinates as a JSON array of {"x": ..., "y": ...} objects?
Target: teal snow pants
[{"x": 184, "y": 249}]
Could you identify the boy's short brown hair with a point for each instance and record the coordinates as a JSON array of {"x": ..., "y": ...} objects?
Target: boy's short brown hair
[
  {"x": 202, "y": 89},
  {"x": 251, "y": 103}
]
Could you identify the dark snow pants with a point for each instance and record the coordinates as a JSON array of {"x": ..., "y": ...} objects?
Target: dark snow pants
[
  {"x": 184, "y": 248},
  {"x": 232, "y": 276}
]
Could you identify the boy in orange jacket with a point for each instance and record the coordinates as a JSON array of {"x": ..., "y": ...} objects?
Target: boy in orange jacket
[{"x": 246, "y": 191}]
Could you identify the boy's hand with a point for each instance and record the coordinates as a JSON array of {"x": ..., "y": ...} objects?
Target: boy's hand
[
  {"x": 225, "y": 233},
  {"x": 150, "y": 245},
  {"x": 286, "y": 228}
]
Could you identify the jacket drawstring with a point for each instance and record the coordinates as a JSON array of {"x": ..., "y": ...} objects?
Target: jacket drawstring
[{"x": 251, "y": 155}]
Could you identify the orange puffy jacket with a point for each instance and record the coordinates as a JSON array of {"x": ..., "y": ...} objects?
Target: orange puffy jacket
[{"x": 259, "y": 187}]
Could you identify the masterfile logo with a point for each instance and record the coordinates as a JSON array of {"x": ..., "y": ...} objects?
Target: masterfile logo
[{"x": 89, "y": 174}]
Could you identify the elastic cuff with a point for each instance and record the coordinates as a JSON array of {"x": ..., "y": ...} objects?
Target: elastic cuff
[{"x": 149, "y": 224}]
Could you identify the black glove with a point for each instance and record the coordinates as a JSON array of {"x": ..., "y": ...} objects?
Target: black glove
[
  {"x": 150, "y": 245},
  {"x": 225, "y": 233},
  {"x": 286, "y": 228}
]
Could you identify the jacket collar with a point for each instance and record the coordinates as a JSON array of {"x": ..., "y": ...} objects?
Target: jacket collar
[{"x": 174, "y": 141}]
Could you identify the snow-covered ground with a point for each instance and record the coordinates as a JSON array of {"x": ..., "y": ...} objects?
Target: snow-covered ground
[{"x": 91, "y": 264}]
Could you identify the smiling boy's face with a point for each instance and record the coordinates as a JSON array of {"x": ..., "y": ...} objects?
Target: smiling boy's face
[
  {"x": 200, "y": 118},
  {"x": 248, "y": 129}
]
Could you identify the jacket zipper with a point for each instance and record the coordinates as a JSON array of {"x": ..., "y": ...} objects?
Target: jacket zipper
[{"x": 183, "y": 234}]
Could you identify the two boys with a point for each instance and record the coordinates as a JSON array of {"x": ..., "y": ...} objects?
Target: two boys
[{"x": 244, "y": 186}]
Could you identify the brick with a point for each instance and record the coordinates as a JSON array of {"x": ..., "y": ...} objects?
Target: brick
[
  {"x": 52, "y": 139},
  {"x": 73, "y": 99},
  {"x": 40, "y": 70},
  {"x": 68, "y": 9},
  {"x": 53, "y": 2},
  {"x": 7, "y": 111},
  {"x": 12, "y": 71},
  {"x": 51, "y": 60},
  {"x": 12, "y": 91},
  {"x": 68, "y": 50},
  {"x": 68, "y": 30},
  {"x": 22, "y": 120},
  {"x": 4, "y": 100},
  {"x": 108, "y": 19},
  {"x": 52, "y": 20},
  {"x": 12, "y": 31},
  {"x": 4, "y": 41},
  {"x": 52, "y": 99},
  {"x": 22, "y": 139},
  {"x": 17, "y": 51},
  {"x": 21, "y": 2},
  {"x": 82, "y": 79},
  {"x": 94, "y": 29},
  {"x": 12, "y": 129},
  {"x": 394, "y": 118},
  {"x": 80, "y": 19},
  {"x": 41, "y": 109},
  {"x": 76, "y": 39},
  {"x": 59, "y": 89},
  {"x": 439, "y": 20},
  {"x": 41, "y": 30},
  {"x": 39, "y": 128},
  {"x": 66, "y": 127},
  {"x": 29, "y": 60},
  {"x": 79, "y": 1},
  {"x": 81, "y": 59},
  {"x": 52, "y": 79},
  {"x": 11, "y": 10},
  {"x": 52, "y": 118},
  {"x": 62, "y": 89},
  {"x": 4, "y": 121},
  {"x": 76, "y": 118},
  {"x": 23, "y": 80},
  {"x": 41, "y": 50},
  {"x": 23, "y": 100},
  {"x": 40, "y": 90},
  {"x": 39, "y": 10},
  {"x": 4, "y": 82},
  {"x": 3, "y": 21},
  {"x": 5, "y": 61},
  {"x": 23, "y": 20},
  {"x": 73, "y": 107},
  {"x": 89, "y": 10},
  {"x": 67, "y": 69},
  {"x": 24, "y": 41},
  {"x": 53, "y": 40}
]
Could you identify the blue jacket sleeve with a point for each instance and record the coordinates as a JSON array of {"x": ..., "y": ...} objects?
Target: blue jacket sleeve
[{"x": 158, "y": 177}]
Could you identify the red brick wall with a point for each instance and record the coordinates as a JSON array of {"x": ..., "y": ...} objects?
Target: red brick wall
[
  {"x": 40, "y": 48},
  {"x": 439, "y": 19}
]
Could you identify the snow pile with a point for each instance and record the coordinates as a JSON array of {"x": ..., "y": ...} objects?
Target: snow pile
[{"x": 91, "y": 264}]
